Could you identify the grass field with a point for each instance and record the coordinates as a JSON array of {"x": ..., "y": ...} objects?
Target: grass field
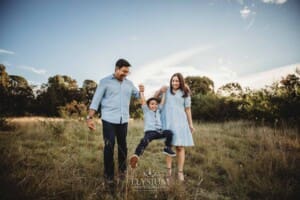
[{"x": 61, "y": 159}]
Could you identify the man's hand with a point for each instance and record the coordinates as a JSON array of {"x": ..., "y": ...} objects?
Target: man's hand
[
  {"x": 91, "y": 124},
  {"x": 141, "y": 88}
]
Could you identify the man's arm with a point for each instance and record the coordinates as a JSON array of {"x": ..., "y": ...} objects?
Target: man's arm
[
  {"x": 143, "y": 100},
  {"x": 97, "y": 98},
  {"x": 89, "y": 120},
  {"x": 136, "y": 92}
]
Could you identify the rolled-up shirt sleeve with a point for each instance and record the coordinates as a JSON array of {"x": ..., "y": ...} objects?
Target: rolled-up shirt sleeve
[
  {"x": 97, "y": 98},
  {"x": 187, "y": 102},
  {"x": 135, "y": 92}
]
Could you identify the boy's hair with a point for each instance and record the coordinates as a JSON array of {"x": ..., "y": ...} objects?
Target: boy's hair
[
  {"x": 122, "y": 63},
  {"x": 152, "y": 99}
]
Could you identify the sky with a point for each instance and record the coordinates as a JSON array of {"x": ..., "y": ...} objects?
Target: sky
[{"x": 225, "y": 40}]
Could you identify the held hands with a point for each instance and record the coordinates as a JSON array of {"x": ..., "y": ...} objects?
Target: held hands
[
  {"x": 141, "y": 88},
  {"x": 163, "y": 89}
]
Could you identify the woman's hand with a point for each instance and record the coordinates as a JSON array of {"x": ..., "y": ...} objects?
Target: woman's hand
[
  {"x": 192, "y": 129},
  {"x": 163, "y": 89}
]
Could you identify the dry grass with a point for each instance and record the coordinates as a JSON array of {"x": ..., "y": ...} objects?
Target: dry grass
[{"x": 61, "y": 159}]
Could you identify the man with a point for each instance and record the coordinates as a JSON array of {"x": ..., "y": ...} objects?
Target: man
[{"x": 113, "y": 94}]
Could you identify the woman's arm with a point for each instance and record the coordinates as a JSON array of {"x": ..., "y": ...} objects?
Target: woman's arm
[
  {"x": 189, "y": 118},
  {"x": 160, "y": 91},
  {"x": 163, "y": 98}
]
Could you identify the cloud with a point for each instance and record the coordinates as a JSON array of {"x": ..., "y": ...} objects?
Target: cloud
[
  {"x": 249, "y": 17},
  {"x": 245, "y": 12},
  {"x": 34, "y": 70},
  {"x": 35, "y": 83},
  {"x": 261, "y": 79},
  {"x": 158, "y": 72},
  {"x": 250, "y": 24},
  {"x": 274, "y": 1},
  {"x": 222, "y": 73},
  {"x": 3, "y": 51},
  {"x": 227, "y": 72}
]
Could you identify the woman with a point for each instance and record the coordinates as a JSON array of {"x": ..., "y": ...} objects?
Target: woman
[{"x": 177, "y": 117}]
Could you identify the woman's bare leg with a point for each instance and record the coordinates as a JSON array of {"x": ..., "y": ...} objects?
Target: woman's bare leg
[{"x": 180, "y": 151}]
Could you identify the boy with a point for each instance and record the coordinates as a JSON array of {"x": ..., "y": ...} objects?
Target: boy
[{"x": 152, "y": 128}]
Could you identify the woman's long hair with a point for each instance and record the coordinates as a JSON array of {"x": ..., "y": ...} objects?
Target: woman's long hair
[{"x": 186, "y": 90}]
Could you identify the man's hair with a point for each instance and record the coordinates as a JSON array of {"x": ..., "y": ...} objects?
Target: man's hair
[
  {"x": 122, "y": 63},
  {"x": 152, "y": 99}
]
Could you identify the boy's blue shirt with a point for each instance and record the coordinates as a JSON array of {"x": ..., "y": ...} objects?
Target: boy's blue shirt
[{"x": 152, "y": 120}]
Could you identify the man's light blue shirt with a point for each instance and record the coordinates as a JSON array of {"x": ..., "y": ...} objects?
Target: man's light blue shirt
[
  {"x": 152, "y": 121},
  {"x": 114, "y": 97}
]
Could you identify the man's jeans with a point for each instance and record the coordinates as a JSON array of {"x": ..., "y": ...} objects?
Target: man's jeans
[
  {"x": 152, "y": 135},
  {"x": 110, "y": 131}
]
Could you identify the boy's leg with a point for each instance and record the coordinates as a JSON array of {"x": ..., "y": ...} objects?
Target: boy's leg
[
  {"x": 169, "y": 136},
  {"x": 109, "y": 143},
  {"x": 149, "y": 136}
]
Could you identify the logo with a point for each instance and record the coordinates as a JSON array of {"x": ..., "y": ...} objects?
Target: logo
[{"x": 148, "y": 180}]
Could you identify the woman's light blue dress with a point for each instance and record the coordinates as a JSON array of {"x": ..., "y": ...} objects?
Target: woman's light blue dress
[{"x": 174, "y": 118}]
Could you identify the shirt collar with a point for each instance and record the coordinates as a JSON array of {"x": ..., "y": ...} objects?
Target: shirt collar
[{"x": 113, "y": 77}]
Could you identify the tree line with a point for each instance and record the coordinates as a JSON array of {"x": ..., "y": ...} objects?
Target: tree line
[{"x": 62, "y": 97}]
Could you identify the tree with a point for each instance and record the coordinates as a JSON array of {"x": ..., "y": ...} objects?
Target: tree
[
  {"x": 4, "y": 84},
  {"x": 73, "y": 109},
  {"x": 135, "y": 108},
  {"x": 233, "y": 90},
  {"x": 291, "y": 85},
  {"x": 15, "y": 93},
  {"x": 59, "y": 91},
  {"x": 200, "y": 85},
  {"x": 4, "y": 78},
  {"x": 289, "y": 101},
  {"x": 89, "y": 88}
]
